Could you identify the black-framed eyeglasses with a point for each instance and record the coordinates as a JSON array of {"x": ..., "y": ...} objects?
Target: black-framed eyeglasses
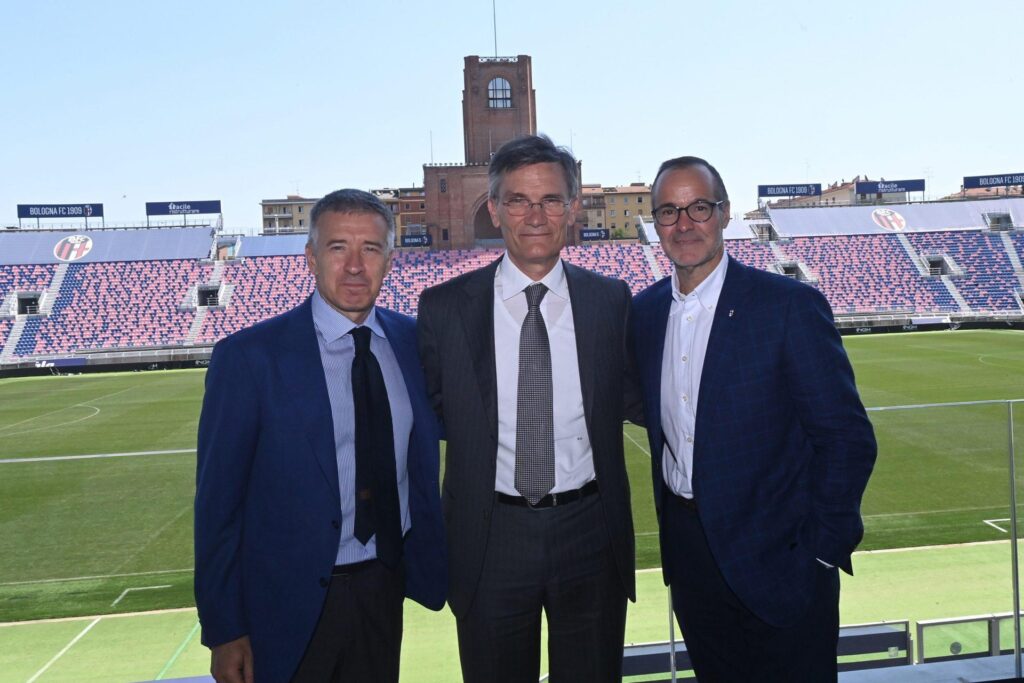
[
  {"x": 699, "y": 211},
  {"x": 520, "y": 206}
]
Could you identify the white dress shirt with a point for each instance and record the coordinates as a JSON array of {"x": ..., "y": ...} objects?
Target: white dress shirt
[
  {"x": 574, "y": 460},
  {"x": 686, "y": 343}
]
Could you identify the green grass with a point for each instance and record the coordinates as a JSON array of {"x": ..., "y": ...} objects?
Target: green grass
[
  {"x": 919, "y": 584},
  {"x": 75, "y": 534}
]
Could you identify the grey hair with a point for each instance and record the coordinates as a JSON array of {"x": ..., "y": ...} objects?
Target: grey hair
[
  {"x": 352, "y": 201},
  {"x": 529, "y": 150},
  {"x": 687, "y": 162}
]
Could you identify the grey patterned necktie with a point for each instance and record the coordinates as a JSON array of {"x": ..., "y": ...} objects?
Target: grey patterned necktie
[{"x": 535, "y": 430}]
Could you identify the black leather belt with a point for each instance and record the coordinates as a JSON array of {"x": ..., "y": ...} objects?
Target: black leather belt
[
  {"x": 351, "y": 568},
  {"x": 552, "y": 499}
]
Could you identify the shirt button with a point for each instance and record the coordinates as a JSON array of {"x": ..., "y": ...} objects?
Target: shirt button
[
  {"x": 689, "y": 439},
  {"x": 686, "y": 358},
  {"x": 689, "y": 318},
  {"x": 685, "y": 398}
]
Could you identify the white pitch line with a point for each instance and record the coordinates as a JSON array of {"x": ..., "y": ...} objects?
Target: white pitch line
[
  {"x": 626, "y": 434},
  {"x": 117, "y": 615},
  {"x": 140, "y": 588},
  {"x": 58, "y": 424},
  {"x": 992, "y": 523},
  {"x": 932, "y": 512},
  {"x": 53, "y": 412},
  {"x": 63, "y": 651},
  {"x": 97, "y": 577},
  {"x": 56, "y": 458}
]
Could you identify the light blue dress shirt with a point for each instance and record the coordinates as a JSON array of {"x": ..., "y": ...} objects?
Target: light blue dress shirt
[{"x": 337, "y": 349}]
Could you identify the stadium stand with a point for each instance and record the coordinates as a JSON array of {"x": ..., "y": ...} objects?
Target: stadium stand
[
  {"x": 626, "y": 262},
  {"x": 987, "y": 283},
  {"x": 867, "y": 273},
  {"x": 115, "y": 305},
  {"x": 263, "y": 287},
  {"x": 153, "y": 288}
]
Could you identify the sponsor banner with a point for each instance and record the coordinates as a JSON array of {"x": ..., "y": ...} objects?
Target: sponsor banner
[
  {"x": 889, "y": 186},
  {"x": 591, "y": 234},
  {"x": 805, "y": 190},
  {"x": 416, "y": 240},
  {"x": 61, "y": 363},
  {"x": 60, "y": 210},
  {"x": 973, "y": 182},
  {"x": 181, "y": 208}
]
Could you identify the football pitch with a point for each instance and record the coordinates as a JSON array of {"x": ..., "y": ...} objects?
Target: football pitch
[{"x": 97, "y": 477}]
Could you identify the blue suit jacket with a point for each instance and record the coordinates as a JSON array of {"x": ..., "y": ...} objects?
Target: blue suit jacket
[
  {"x": 267, "y": 508},
  {"x": 782, "y": 448}
]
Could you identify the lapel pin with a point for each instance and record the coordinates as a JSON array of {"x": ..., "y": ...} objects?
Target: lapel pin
[{"x": 731, "y": 311}]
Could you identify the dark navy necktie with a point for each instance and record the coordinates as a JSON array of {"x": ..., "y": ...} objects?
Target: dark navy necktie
[{"x": 376, "y": 484}]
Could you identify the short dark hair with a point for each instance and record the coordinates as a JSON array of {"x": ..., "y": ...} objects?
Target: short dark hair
[
  {"x": 529, "y": 150},
  {"x": 721, "y": 194},
  {"x": 352, "y": 201}
]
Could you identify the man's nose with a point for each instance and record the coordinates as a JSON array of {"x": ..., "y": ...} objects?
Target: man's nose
[
  {"x": 354, "y": 261},
  {"x": 535, "y": 214}
]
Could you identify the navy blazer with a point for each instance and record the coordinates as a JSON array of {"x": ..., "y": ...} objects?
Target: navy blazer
[
  {"x": 267, "y": 507},
  {"x": 782, "y": 448}
]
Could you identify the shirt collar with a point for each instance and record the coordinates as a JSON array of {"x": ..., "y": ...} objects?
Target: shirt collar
[
  {"x": 708, "y": 291},
  {"x": 513, "y": 281},
  {"x": 333, "y": 325}
]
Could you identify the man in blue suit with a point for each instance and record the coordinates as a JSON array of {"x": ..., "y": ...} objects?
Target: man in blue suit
[
  {"x": 317, "y": 501},
  {"x": 760, "y": 446}
]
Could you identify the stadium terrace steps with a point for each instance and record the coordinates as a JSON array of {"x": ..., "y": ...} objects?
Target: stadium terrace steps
[
  {"x": 197, "y": 324},
  {"x": 1018, "y": 269},
  {"x": 652, "y": 263},
  {"x": 947, "y": 281},
  {"x": 922, "y": 269},
  {"x": 53, "y": 291},
  {"x": 13, "y": 337}
]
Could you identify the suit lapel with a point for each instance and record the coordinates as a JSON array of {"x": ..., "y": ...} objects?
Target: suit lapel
[
  {"x": 477, "y": 314},
  {"x": 652, "y": 346},
  {"x": 722, "y": 341},
  {"x": 586, "y": 321},
  {"x": 304, "y": 373}
]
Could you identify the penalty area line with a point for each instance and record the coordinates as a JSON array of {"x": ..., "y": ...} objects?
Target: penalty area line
[{"x": 126, "y": 591}]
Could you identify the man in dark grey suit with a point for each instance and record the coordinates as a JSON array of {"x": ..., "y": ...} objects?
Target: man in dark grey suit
[{"x": 525, "y": 360}]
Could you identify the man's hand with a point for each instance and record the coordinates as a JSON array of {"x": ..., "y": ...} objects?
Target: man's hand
[{"x": 231, "y": 662}]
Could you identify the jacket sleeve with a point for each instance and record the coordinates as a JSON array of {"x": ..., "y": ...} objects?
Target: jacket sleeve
[
  {"x": 228, "y": 437},
  {"x": 821, "y": 384}
]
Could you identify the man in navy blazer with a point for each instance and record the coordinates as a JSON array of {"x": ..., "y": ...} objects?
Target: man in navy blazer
[
  {"x": 760, "y": 446},
  {"x": 284, "y": 588}
]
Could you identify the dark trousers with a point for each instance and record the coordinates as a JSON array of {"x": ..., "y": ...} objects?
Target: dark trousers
[
  {"x": 558, "y": 560},
  {"x": 725, "y": 640},
  {"x": 359, "y": 635}
]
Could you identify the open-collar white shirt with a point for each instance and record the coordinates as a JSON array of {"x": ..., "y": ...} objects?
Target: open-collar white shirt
[{"x": 686, "y": 343}]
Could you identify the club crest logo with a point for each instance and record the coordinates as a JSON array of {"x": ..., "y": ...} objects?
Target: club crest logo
[
  {"x": 72, "y": 248},
  {"x": 887, "y": 219}
]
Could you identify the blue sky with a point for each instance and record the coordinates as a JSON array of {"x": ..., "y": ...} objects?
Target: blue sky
[{"x": 127, "y": 102}]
